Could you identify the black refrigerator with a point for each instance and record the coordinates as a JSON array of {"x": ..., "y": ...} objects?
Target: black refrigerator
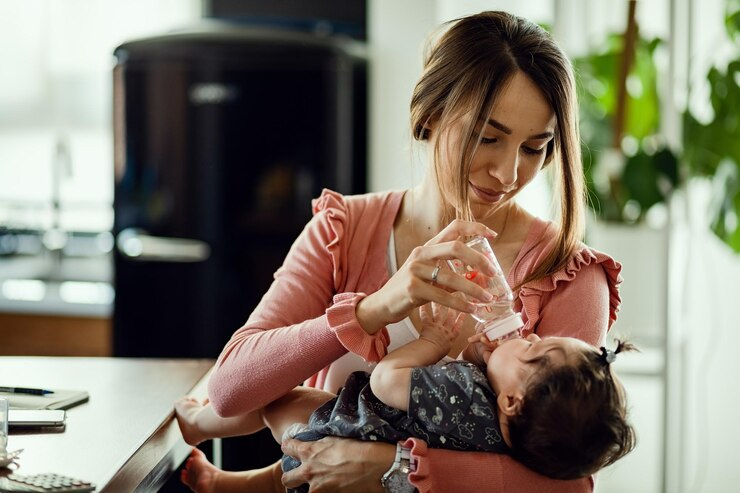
[{"x": 222, "y": 136}]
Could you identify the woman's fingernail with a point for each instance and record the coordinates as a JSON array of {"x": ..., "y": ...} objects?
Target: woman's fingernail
[{"x": 491, "y": 232}]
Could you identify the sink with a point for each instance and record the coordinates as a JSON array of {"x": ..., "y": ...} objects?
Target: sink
[{"x": 75, "y": 280}]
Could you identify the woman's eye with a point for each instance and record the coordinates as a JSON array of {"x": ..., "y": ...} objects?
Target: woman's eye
[
  {"x": 488, "y": 140},
  {"x": 533, "y": 151}
]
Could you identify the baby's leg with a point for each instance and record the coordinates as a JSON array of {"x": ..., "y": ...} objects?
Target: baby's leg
[
  {"x": 203, "y": 477},
  {"x": 294, "y": 407},
  {"x": 199, "y": 422}
]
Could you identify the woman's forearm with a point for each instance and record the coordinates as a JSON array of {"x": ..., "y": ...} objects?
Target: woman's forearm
[{"x": 258, "y": 366}]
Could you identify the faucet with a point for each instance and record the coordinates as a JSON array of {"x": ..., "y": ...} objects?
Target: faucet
[{"x": 55, "y": 238}]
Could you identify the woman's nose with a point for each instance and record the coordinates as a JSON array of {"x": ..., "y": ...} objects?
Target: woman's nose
[{"x": 505, "y": 169}]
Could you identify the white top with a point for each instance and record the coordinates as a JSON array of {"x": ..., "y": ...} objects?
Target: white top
[{"x": 400, "y": 333}]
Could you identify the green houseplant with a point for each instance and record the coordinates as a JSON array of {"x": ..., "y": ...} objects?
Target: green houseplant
[
  {"x": 711, "y": 148},
  {"x": 648, "y": 171}
]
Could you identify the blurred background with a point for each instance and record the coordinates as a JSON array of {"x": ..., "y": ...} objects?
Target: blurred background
[{"x": 158, "y": 157}]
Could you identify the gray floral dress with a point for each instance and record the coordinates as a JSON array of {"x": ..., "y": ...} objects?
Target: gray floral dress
[{"x": 451, "y": 406}]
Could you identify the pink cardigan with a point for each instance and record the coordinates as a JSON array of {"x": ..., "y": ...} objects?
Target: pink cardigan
[{"x": 306, "y": 320}]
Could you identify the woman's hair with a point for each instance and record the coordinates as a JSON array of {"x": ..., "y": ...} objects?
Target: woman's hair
[
  {"x": 464, "y": 72},
  {"x": 573, "y": 418}
]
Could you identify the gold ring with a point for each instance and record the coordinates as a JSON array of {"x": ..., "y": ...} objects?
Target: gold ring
[{"x": 435, "y": 273}]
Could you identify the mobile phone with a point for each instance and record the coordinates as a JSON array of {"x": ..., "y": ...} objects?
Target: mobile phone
[{"x": 36, "y": 418}]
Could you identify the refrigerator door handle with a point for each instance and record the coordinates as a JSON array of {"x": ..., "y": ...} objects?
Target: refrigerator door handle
[{"x": 135, "y": 244}]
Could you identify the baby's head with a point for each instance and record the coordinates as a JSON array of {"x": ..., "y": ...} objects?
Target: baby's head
[{"x": 564, "y": 408}]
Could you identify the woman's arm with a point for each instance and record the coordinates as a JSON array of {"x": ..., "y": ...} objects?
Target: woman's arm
[
  {"x": 294, "y": 331},
  {"x": 301, "y": 325},
  {"x": 476, "y": 472}
]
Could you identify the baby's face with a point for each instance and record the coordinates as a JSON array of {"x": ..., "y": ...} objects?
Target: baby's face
[{"x": 511, "y": 364}]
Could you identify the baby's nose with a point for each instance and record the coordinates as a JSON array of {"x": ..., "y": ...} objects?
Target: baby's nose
[{"x": 533, "y": 337}]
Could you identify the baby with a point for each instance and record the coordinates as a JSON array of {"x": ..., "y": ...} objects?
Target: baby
[{"x": 554, "y": 404}]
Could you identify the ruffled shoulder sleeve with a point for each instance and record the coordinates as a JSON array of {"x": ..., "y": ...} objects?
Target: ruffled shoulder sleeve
[
  {"x": 583, "y": 295},
  {"x": 333, "y": 207},
  {"x": 353, "y": 226}
]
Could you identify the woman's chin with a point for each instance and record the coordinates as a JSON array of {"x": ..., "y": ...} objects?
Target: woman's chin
[{"x": 482, "y": 211}]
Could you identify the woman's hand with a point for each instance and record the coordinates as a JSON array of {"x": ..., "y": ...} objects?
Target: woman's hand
[
  {"x": 339, "y": 464},
  {"x": 415, "y": 283}
]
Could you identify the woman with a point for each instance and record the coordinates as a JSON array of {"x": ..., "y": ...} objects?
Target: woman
[{"x": 495, "y": 104}]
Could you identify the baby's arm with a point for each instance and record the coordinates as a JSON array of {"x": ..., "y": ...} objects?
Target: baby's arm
[{"x": 390, "y": 381}]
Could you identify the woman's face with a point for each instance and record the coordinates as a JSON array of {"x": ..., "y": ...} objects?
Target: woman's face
[{"x": 512, "y": 149}]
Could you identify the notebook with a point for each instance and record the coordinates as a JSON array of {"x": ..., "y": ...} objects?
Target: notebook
[{"x": 60, "y": 399}]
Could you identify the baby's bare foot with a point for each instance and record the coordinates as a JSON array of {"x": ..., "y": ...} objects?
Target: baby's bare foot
[
  {"x": 203, "y": 477},
  {"x": 199, "y": 475},
  {"x": 186, "y": 412}
]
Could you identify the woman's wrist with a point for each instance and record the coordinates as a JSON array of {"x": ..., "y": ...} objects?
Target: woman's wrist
[
  {"x": 367, "y": 316},
  {"x": 396, "y": 479}
]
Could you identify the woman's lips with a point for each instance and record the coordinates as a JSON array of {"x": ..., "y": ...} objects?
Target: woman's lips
[{"x": 487, "y": 195}]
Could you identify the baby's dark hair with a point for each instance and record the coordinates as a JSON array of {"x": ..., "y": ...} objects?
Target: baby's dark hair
[{"x": 573, "y": 418}]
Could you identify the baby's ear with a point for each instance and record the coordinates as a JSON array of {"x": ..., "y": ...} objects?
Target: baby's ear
[{"x": 509, "y": 404}]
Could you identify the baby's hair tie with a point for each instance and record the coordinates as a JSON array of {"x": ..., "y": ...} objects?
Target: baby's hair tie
[{"x": 608, "y": 356}]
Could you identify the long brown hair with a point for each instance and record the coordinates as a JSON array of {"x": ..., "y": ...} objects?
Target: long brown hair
[{"x": 465, "y": 71}]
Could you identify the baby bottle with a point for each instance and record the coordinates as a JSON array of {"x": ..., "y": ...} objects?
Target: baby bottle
[{"x": 500, "y": 321}]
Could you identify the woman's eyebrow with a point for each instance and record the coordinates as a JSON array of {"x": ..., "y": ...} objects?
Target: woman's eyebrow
[{"x": 500, "y": 126}]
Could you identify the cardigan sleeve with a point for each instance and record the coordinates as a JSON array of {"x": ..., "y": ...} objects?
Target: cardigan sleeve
[
  {"x": 580, "y": 301},
  {"x": 476, "y": 472},
  {"x": 301, "y": 325}
]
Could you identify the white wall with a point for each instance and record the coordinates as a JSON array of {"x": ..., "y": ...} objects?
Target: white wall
[
  {"x": 396, "y": 32},
  {"x": 710, "y": 331}
]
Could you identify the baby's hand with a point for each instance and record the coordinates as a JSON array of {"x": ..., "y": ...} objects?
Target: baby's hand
[
  {"x": 440, "y": 325},
  {"x": 479, "y": 349}
]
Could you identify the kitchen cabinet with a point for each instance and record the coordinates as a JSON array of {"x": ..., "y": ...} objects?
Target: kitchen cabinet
[{"x": 54, "y": 335}]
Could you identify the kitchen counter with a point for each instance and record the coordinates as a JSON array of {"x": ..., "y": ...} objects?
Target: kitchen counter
[{"x": 59, "y": 308}]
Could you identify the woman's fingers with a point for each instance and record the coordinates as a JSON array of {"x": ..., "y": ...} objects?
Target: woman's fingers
[
  {"x": 300, "y": 451},
  {"x": 433, "y": 254},
  {"x": 338, "y": 465},
  {"x": 451, "y": 282},
  {"x": 425, "y": 277},
  {"x": 445, "y": 298}
]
